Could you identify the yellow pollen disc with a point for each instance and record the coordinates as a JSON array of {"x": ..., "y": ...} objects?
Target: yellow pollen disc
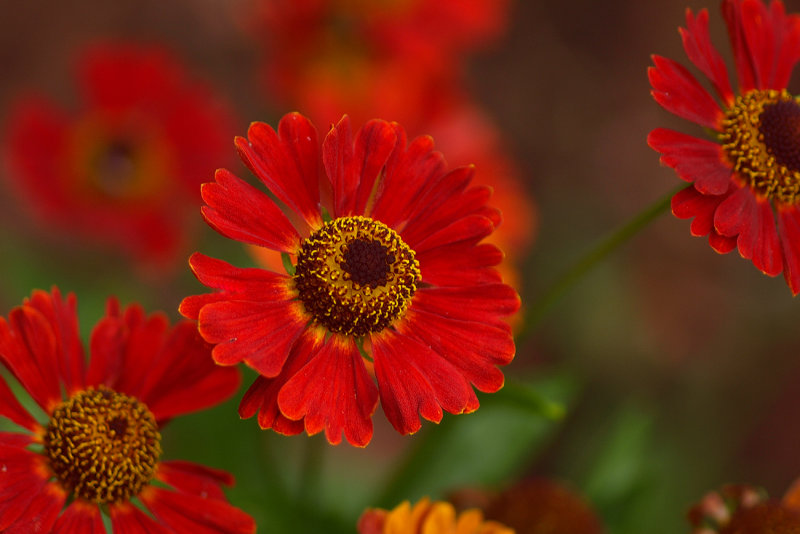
[
  {"x": 761, "y": 138},
  {"x": 355, "y": 275},
  {"x": 103, "y": 445}
]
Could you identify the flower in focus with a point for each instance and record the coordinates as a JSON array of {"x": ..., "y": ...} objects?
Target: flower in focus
[
  {"x": 745, "y": 190},
  {"x": 123, "y": 170},
  {"x": 100, "y": 447},
  {"x": 386, "y": 272},
  {"x": 427, "y": 517},
  {"x": 741, "y": 509}
]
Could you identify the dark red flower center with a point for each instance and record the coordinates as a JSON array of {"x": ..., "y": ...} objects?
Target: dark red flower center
[
  {"x": 355, "y": 276},
  {"x": 368, "y": 262},
  {"x": 780, "y": 126},
  {"x": 103, "y": 445},
  {"x": 115, "y": 169},
  {"x": 761, "y": 140}
]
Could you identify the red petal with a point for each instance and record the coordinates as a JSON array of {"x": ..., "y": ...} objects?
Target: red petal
[
  {"x": 190, "y": 514},
  {"x": 414, "y": 381},
  {"x": 470, "y": 229},
  {"x": 695, "y": 160},
  {"x": 447, "y": 201},
  {"x": 484, "y": 303},
  {"x": 689, "y": 203},
  {"x": 351, "y": 169},
  {"x": 745, "y": 68},
  {"x": 258, "y": 333},
  {"x": 194, "y": 478},
  {"x": 409, "y": 172},
  {"x": 789, "y": 228},
  {"x": 13, "y": 410},
  {"x": 786, "y": 32},
  {"x": 128, "y": 519},
  {"x": 63, "y": 318},
  {"x": 28, "y": 348},
  {"x": 754, "y": 222},
  {"x": 721, "y": 243},
  {"x": 333, "y": 391},
  {"x": 241, "y": 212},
  {"x": 22, "y": 479},
  {"x": 40, "y": 513},
  {"x": 679, "y": 92},
  {"x": 286, "y": 162},
  {"x": 234, "y": 283},
  {"x": 183, "y": 378},
  {"x": 80, "y": 517},
  {"x": 697, "y": 43},
  {"x": 262, "y": 396},
  {"x": 460, "y": 265},
  {"x": 474, "y": 348}
]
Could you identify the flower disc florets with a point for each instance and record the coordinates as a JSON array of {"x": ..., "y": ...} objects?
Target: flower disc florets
[
  {"x": 103, "y": 445},
  {"x": 761, "y": 137},
  {"x": 355, "y": 275}
]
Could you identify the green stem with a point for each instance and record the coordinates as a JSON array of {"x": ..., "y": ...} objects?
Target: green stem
[{"x": 538, "y": 310}]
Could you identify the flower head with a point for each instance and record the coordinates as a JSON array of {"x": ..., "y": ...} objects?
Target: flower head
[
  {"x": 385, "y": 272},
  {"x": 427, "y": 517},
  {"x": 122, "y": 169},
  {"x": 100, "y": 447},
  {"x": 745, "y": 190}
]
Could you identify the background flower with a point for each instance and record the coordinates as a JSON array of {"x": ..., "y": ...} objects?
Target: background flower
[{"x": 122, "y": 169}]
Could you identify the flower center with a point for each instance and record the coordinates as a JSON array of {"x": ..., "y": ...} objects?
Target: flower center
[
  {"x": 355, "y": 275},
  {"x": 103, "y": 445},
  {"x": 761, "y": 138}
]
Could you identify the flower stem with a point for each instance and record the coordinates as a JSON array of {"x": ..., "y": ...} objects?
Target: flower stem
[{"x": 538, "y": 310}]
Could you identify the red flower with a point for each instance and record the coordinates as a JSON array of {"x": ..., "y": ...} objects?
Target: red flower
[
  {"x": 748, "y": 176},
  {"x": 101, "y": 445},
  {"x": 378, "y": 56},
  {"x": 123, "y": 169},
  {"x": 395, "y": 274}
]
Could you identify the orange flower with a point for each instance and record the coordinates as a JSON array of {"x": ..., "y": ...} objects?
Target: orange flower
[{"x": 427, "y": 517}]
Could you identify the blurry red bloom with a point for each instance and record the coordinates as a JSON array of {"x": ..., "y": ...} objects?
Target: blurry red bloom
[
  {"x": 100, "y": 447},
  {"x": 747, "y": 178},
  {"x": 124, "y": 168},
  {"x": 380, "y": 56},
  {"x": 427, "y": 517},
  {"x": 385, "y": 262}
]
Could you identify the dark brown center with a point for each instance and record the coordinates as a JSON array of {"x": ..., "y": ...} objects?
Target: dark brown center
[{"x": 780, "y": 126}]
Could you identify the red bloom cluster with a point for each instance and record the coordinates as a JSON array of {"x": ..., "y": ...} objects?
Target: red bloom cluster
[
  {"x": 123, "y": 169},
  {"x": 745, "y": 190},
  {"x": 385, "y": 269},
  {"x": 100, "y": 447}
]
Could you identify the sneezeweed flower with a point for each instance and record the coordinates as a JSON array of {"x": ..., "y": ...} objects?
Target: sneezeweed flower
[
  {"x": 741, "y": 509},
  {"x": 385, "y": 271},
  {"x": 745, "y": 190},
  {"x": 100, "y": 448},
  {"x": 427, "y": 517},
  {"x": 122, "y": 170}
]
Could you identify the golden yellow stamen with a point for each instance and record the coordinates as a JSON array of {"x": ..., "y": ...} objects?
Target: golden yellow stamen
[
  {"x": 355, "y": 275},
  {"x": 103, "y": 445},
  {"x": 761, "y": 138}
]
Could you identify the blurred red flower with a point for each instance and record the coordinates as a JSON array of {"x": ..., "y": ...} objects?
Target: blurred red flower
[
  {"x": 125, "y": 168},
  {"x": 384, "y": 260},
  {"x": 742, "y": 509},
  {"x": 101, "y": 445},
  {"x": 747, "y": 177}
]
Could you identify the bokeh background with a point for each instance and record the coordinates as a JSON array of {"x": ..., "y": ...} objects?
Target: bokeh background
[{"x": 678, "y": 367}]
